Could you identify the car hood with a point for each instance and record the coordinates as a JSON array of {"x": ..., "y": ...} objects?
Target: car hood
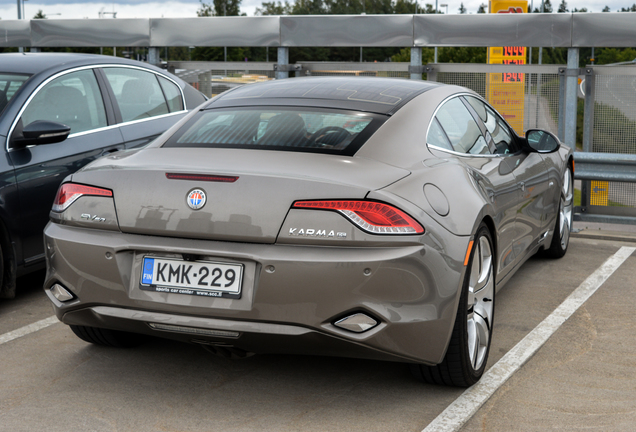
[{"x": 250, "y": 209}]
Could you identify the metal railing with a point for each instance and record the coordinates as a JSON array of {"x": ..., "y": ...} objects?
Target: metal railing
[{"x": 550, "y": 100}]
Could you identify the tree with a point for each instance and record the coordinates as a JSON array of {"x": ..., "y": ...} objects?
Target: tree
[
  {"x": 274, "y": 8},
  {"x": 580, "y": 10},
  {"x": 462, "y": 9},
  {"x": 629, "y": 9},
  {"x": 606, "y": 9},
  {"x": 547, "y": 6},
  {"x": 39, "y": 15},
  {"x": 483, "y": 8},
  {"x": 405, "y": 7},
  {"x": 220, "y": 8},
  {"x": 563, "y": 7}
]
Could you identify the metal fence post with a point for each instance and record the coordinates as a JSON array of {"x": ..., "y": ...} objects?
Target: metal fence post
[
  {"x": 154, "y": 56},
  {"x": 416, "y": 60},
  {"x": 572, "y": 75},
  {"x": 561, "y": 114},
  {"x": 283, "y": 60},
  {"x": 588, "y": 130}
]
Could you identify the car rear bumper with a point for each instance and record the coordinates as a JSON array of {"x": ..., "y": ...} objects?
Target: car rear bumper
[{"x": 291, "y": 294}]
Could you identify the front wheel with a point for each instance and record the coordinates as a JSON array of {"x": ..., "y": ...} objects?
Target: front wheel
[{"x": 467, "y": 353}]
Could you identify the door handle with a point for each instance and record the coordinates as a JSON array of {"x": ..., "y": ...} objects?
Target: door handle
[
  {"x": 522, "y": 185},
  {"x": 109, "y": 151}
]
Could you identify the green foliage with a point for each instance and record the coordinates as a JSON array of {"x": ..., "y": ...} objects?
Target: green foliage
[
  {"x": 220, "y": 8},
  {"x": 615, "y": 55},
  {"x": 39, "y": 15},
  {"x": 462, "y": 8},
  {"x": 563, "y": 7},
  {"x": 462, "y": 54},
  {"x": 483, "y": 8},
  {"x": 274, "y": 8}
]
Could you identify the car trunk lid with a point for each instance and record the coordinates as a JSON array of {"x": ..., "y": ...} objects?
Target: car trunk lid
[{"x": 251, "y": 208}]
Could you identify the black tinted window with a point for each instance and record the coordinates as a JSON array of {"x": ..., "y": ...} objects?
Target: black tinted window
[{"x": 301, "y": 129}]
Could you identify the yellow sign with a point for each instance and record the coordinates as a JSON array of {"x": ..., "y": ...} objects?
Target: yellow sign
[
  {"x": 506, "y": 91},
  {"x": 599, "y": 193}
]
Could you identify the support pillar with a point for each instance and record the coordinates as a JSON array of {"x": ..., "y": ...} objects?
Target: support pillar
[
  {"x": 571, "y": 84},
  {"x": 416, "y": 60},
  {"x": 283, "y": 60},
  {"x": 154, "y": 56}
]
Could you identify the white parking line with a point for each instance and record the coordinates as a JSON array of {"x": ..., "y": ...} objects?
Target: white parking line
[
  {"x": 464, "y": 407},
  {"x": 31, "y": 328}
]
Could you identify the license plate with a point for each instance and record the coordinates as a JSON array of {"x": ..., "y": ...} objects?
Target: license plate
[{"x": 202, "y": 278}]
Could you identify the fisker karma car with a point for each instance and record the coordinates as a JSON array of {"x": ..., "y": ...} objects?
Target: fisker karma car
[{"x": 359, "y": 217}]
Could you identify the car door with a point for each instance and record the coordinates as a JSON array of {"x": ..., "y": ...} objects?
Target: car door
[
  {"x": 530, "y": 172},
  {"x": 146, "y": 103},
  {"x": 73, "y": 98},
  {"x": 456, "y": 129}
]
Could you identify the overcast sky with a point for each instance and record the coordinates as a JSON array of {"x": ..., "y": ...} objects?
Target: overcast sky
[{"x": 60, "y": 9}]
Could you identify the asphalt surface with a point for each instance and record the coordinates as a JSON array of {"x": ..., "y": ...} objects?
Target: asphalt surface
[{"x": 582, "y": 378}]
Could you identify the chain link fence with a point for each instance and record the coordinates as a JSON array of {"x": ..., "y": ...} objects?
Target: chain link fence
[{"x": 614, "y": 131}]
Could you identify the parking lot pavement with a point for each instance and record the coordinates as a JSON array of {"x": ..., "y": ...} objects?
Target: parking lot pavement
[
  {"x": 583, "y": 378},
  {"x": 53, "y": 381}
]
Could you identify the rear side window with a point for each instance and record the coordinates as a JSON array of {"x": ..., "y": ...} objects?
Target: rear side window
[
  {"x": 499, "y": 131},
  {"x": 138, "y": 93},
  {"x": 172, "y": 93},
  {"x": 461, "y": 128},
  {"x": 9, "y": 85},
  {"x": 279, "y": 128},
  {"x": 72, "y": 99}
]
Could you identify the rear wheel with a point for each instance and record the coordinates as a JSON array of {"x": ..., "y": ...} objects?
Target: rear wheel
[
  {"x": 561, "y": 237},
  {"x": 467, "y": 353},
  {"x": 107, "y": 337}
]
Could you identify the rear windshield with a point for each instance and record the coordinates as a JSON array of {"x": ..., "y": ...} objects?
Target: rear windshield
[
  {"x": 9, "y": 85},
  {"x": 279, "y": 128}
]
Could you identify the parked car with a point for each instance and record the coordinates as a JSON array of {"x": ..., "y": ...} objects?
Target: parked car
[
  {"x": 57, "y": 113},
  {"x": 361, "y": 217}
]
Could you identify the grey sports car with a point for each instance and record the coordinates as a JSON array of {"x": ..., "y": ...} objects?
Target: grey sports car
[{"x": 361, "y": 217}]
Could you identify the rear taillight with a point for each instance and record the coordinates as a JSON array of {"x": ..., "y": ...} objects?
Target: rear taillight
[
  {"x": 371, "y": 216},
  {"x": 68, "y": 193}
]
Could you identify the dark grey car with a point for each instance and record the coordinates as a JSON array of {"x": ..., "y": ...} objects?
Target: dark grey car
[
  {"x": 360, "y": 217},
  {"x": 102, "y": 104}
]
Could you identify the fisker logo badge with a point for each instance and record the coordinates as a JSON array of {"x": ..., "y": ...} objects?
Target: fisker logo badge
[
  {"x": 196, "y": 199},
  {"x": 302, "y": 232}
]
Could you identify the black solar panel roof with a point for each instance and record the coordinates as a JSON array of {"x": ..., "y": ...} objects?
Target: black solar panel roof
[{"x": 382, "y": 95}]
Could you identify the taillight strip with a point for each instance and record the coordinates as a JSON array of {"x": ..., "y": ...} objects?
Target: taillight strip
[
  {"x": 68, "y": 193},
  {"x": 371, "y": 216}
]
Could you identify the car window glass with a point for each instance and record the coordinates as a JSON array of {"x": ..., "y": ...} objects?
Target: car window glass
[
  {"x": 499, "y": 131},
  {"x": 437, "y": 137},
  {"x": 73, "y": 99},
  {"x": 9, "y": 84},
  {"x": 275, "y": 128},
  {"x": 172, "y": 93},
  {"x": 461, "y": 128},
  {"x": 137, "y": 92}
]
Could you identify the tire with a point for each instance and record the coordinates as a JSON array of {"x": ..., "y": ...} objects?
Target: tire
[
  {"x": 561, "y": 237},
  {"x": 106, "y": 337},
  {"x": 467, "y": 352}
]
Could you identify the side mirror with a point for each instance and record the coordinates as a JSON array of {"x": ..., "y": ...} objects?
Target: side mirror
[
  {"x": 43, "y": 132},
  {"x": 541, "y": 141}
]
